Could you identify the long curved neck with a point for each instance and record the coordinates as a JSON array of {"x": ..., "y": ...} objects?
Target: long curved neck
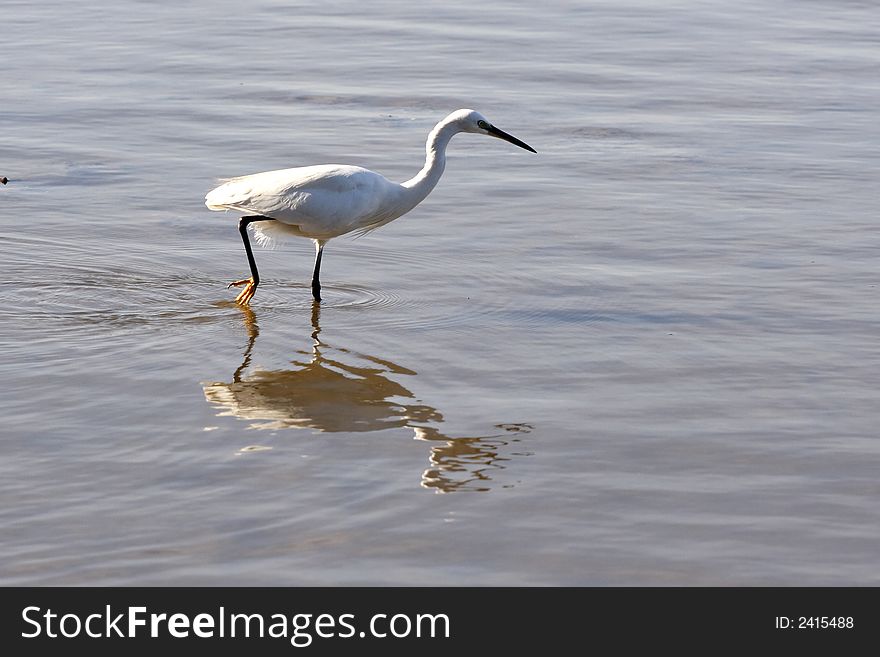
[{"x": 420, "y": 185}]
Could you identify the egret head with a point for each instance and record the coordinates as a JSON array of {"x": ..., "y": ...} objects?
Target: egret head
[{"x": 472, "y": 121}]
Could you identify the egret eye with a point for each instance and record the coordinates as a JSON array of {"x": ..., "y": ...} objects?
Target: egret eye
[{"x": 483, "y": 125}]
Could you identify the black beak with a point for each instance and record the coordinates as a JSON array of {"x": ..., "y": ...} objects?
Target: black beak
[{"x": 495, "y": 132}]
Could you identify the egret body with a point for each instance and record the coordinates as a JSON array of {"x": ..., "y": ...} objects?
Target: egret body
[{"x": 325, "y": 201}]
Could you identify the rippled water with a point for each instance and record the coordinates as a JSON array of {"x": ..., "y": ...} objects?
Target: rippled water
[{"x": 647, "y": 355}]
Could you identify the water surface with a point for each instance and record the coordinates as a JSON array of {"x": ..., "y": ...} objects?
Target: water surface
[{"x": 647, "y": 355}]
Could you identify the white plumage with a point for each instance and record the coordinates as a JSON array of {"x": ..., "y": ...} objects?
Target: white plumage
[
  {"x": 325, "y": 201},
  {"x": 318, "y": 202}
]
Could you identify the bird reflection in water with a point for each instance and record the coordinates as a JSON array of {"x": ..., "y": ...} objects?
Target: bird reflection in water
[{"x": 332, "y": 389}]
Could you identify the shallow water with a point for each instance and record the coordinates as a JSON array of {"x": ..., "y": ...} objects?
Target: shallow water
[{"x": 647, "y": 355}]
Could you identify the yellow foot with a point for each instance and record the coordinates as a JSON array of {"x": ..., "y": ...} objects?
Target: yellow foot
[{"x": 244, "y": 297}]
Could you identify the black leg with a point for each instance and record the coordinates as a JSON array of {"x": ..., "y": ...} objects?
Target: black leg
[
  {"x": 316, "y": 282},
  {"x": 242, "y": 228},
  {"x": 251, "y": 283}
]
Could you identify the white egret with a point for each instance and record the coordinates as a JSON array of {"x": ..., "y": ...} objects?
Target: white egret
[{"x": 325, "y": 201}]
